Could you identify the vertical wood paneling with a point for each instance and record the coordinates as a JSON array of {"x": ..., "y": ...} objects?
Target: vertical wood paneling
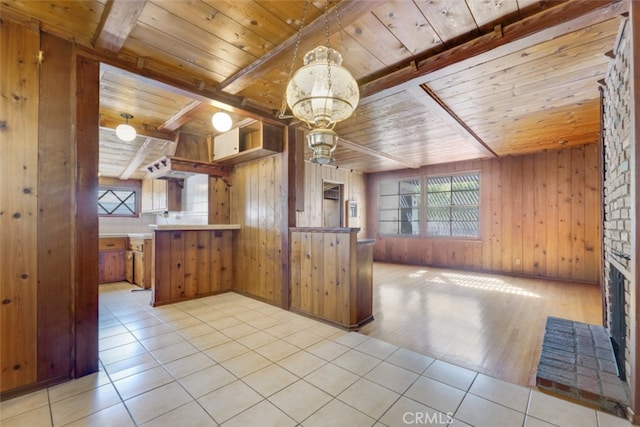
[
  {"x": 176, "y": 264},
  {"x": 564, "y": 213},
  {"x": 218, "y": 201},
  {"x": 551, "y": 219},
  {"x": 508, "y": 229},
  {"x": 354, "y": 190},
  {"x": 191, "y": 263},
  {"x": 539, "y": 218},
  {"x": 19, "y": 223},
  {"x": 85, "y": 225},
  {"x": 516, "y": 215},
  {"x": 496, "y": 216},
  {"x": 257, "y": 207},
  {"x": 592, "y": 200},
  {"x": 541, "y": 209},
  {"x": 326, "y": 279},
  {"x": 577, "y": 213},
  {"x": 55, "y": 176}
]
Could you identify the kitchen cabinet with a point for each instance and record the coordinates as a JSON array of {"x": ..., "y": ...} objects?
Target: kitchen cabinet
[
  {"x": 128, "y": 267},
  {"x": 141, "y": 261},
  {"x": 159, "y": 195},
  {"x": 248, "y": 142},
  {"x": 111, "y": 259}
]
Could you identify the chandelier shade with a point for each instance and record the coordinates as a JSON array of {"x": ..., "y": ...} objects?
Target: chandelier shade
[
  {"x": 125, "y": 131},
  {"x": 322, "y": 92}
]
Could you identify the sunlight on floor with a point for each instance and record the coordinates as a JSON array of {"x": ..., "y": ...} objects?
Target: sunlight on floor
[
  {"x": 476, "y": 282},
  {"x": 486, "y": 283}
]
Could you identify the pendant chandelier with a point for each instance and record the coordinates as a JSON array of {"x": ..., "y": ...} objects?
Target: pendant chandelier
[{"x": 321, "y": 93}]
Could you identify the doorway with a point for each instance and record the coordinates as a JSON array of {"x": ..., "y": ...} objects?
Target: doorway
[{"x": 332, "y": 204}]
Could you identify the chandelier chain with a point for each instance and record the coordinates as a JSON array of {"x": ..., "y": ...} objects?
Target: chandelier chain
[
  {"x": 326, "y": 27},
  {"x": 283, "y": 107}
]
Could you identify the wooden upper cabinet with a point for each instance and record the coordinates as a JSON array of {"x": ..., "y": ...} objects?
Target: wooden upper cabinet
[
  {"x": 159, "y": 195},
  {"x": 245, "y": 143}
]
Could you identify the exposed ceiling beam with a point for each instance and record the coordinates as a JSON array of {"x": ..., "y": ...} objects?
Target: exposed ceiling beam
[
  {"x": 349, "y": 12},
  {"x": 117, "y": 21},
  {"x": 375, "y": 153},
  {"x": 547, "y": 25},
  {"x": 137, "y": 160},
  {"x": 183, "y": 116},
  {"x": 428, "y": 98}
]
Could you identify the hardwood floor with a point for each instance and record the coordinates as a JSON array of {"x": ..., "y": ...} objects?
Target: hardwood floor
[{"x": 489, "y": 323}]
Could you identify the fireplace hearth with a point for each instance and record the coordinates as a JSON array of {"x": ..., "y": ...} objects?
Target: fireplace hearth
[{"x": 578, "y": 361}]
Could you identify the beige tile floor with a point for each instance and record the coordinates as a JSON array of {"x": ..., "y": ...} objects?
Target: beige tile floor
[{"x": 232, "y": 361}]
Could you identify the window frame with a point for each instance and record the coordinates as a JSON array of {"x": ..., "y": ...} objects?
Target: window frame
[
  {"x": 129, "y": 185},
  {"x": 423, "y": 205}
]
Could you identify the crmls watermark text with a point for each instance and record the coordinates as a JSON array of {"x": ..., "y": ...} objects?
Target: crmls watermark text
[{"x": 425, "y": 418}]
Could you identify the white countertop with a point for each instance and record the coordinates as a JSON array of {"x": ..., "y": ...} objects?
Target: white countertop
[
  {"x": 141, "y": 235},
  {"x": 177, "y": 227}
]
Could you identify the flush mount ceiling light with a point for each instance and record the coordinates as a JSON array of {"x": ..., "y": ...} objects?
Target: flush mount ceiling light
[
  {"x": 125, "y": 131},
  {"x": 321, "y": 93},
  {"x": 221, "y": 121}
]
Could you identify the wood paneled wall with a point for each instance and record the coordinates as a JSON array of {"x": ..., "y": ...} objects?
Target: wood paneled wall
[
  {"x": 258, "y": 195},
  {"x": 542, "y": 209},
  {"x": 49, "y": 232},
  {"x": 354, "y": 190},
  {"x": 19, "y": 47}
]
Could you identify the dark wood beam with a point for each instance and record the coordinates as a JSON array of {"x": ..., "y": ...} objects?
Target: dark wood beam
[
  {"x": 428, "y": 98},
  {"x": 183, "y": 116},
  {"x": 375, "y": 153},
  {"x": 548, "y": 24},
  {"x": 349, "y": 12},
  {"x": 117, "y": 21}
]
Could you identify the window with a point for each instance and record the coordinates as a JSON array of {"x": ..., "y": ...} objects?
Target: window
[
  {"x": 453, "y": 205},
  {"x": 431, "y": 206},
  {"x": 400, "y": 207},
  {"x": 117, "y": 202}
]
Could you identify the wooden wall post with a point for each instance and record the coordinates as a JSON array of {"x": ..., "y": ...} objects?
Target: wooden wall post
[{"x": 85, "y": 227}]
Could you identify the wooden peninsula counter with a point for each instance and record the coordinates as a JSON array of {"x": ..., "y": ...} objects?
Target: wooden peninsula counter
[
  {"x": 191, "y": 261},
  {"x": 332, "y": 275}
]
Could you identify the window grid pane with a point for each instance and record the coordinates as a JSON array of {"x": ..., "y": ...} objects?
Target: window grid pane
[
  {"x": 453, "y": 206},
  {"x": 399, "y": 207}
]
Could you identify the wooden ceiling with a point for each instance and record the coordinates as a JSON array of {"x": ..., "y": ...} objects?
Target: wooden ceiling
[{"x": 440, "y": 80}]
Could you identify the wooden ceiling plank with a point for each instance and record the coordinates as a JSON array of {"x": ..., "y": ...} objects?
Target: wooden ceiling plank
[
  {"x": 550, "y": 23},
  {"x": 118, "y": 20},
  {"x": 366, "y": 150},
  {"x": 430, "y": 100},
  {"x": 349, "y": 12},
  {"x": 183, "y": 116},
  {"x": 137, "y": 160}
]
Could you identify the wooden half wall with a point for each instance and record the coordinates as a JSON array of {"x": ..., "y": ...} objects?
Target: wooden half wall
[{"x": 540, "y": 215}]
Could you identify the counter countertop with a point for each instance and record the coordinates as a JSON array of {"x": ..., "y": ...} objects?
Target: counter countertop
[
  {"x": 141, "y": 235},
  {"x": 112, "y": 235},
  {"x": 178, "y": 227}
]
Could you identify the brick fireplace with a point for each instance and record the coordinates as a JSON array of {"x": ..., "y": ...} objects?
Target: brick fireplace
[{"x": 617, "y": 212}]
